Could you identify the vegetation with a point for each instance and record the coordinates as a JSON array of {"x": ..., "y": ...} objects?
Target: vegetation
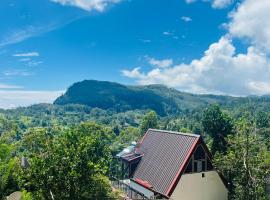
[
  {"x": 64, "y": 151},
  {"x": 246, "y": 163},
  {"x": 163, "y": 100},
  {"x": 218, "y": 125}
]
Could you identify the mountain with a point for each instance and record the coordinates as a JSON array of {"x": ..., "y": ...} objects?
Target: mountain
[{"x": 118, "y": 97}]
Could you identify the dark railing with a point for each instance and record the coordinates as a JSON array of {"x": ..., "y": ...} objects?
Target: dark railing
[{"x": 129, "y": 192}]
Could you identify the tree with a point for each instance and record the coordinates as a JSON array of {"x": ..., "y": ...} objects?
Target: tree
[
  {"x": 246, "y": 163},
  {"x": 218, "y": 125},
  {"x": 125, "y": 138},
  {"x": 149, "y": 120},
  {"x": 262, "y": 120},
  {"x": 71, "y": 165},
  {"x": 7, "y": 184}
]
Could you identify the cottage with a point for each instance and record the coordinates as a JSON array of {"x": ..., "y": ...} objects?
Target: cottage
[{"x": 170, "y": 165}]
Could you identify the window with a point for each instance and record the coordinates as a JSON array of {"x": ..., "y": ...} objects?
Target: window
[
  {"x": 199, "y": 153},
  {"x": 203, "y": 165},
  {"x": 195, "y": 166},
  {"x": 199, "y": 161},
  {"x": 199, "y": 166}
]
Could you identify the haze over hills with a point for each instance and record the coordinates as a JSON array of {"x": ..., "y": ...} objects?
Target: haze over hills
[{"x": 164, "y": 100}]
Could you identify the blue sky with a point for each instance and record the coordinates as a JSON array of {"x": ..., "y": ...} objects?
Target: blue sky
[{"x": 193, "y": 46}]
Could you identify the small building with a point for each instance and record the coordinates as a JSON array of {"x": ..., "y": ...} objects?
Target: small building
[{"x": 169, "y": 165}]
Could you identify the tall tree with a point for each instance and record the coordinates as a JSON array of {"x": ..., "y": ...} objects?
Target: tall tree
[
  {"x": 246, "y": 163},
  {"x": 262, "y": 120},
  {"x": 71, "y": 165},
  {"x": 149, "y": 120},
  {"x": 218, "y": 125},
  {"x": 6, "y": 169}
]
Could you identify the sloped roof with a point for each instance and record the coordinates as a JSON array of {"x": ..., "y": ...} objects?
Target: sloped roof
[
  {"x": 165, "y": 155},
  {"x": 126, "y": 151}
]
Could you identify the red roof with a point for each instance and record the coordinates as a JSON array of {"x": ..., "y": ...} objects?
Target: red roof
[{"x": 165, "y": 155}]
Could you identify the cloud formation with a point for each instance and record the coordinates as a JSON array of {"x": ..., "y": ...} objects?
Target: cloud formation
[
  {"x": 22, "y": 34},
  {"x": 186, "y": 19},
  {"x": 15, "y": 98},
  {"x": 251, "y": 21},
  {"x": 167, "y": 33},
  {"x": 160, "y": 63},
  {"x": 134, "y": 73},
  {"x": 28, "y": 54},
  {"x": 7, "y": 86},
  {"x": 88, "y": 5},
  {"x": 221, "y": 70},
  {"x": 217, "y": 4},
  {"x": 17, "y": 36},
  {"x": 17, "y": 73}
]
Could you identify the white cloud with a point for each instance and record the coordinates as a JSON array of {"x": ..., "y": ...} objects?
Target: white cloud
[
  {"x": 186, "y": 19},
  {"x": 190, "y": 1},
  {"x": 17, "y": 73},
  {"x": 34, "y": 63},
  {"x": 160, "y": 63},
  {"x": 7, "y": 86},
  {"x": 170, "y": 34},
  {"x": 167, "y": 33},
  {"x": 220, "y": 71},
  {"x": 87, "y": 5},
  {"x": 135, "y": 73},
  {"x": 260, "y": 87},
  {"x": 145, "y": 40},
  {"x": 16, "y": 98},
  {"x": 217, "y": 4},
  {"x": 25, "y": 59},
  {"x": 251, "y": 21},
  {"x": 20, "y": 35},
  {"x": 28, "y": 54}
]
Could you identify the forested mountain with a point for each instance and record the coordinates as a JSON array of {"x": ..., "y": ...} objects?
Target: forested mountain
[
  {"x": 102, "y": 118},
  {"x": 163, "y": 100}
]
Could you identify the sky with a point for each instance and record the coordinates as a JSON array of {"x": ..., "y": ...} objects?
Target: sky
[{"x": 196, "y": 46}]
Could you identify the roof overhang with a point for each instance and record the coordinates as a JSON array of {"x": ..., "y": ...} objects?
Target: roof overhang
[{"x": 145, "y": 188}]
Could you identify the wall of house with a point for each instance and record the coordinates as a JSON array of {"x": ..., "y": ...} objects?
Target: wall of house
[{"x": 194, "y": 186}]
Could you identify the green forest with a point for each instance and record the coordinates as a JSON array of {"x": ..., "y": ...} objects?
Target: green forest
[{"x": 63, "y": 150}]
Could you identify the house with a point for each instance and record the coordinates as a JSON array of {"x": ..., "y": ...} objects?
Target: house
[{"x": 170, "y": 165}]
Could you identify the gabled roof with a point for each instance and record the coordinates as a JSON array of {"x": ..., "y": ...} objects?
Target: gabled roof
[{"x": 165, "y": 155}]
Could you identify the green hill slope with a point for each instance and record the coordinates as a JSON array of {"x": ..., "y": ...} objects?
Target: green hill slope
[{"x": 118, "y": 97}]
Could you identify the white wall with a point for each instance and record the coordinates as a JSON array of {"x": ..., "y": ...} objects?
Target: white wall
[{"x": 194, "y": 187}]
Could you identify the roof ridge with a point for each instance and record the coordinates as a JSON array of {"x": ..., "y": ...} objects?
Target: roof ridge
[{"x": 175, "y": 132}]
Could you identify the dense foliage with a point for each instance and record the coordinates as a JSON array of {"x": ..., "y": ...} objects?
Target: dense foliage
[
  {"x": 218, "y": 125},
  {"x": 246, "y": 164},
  {"x": 66, "y": 149},
  {"x": 163, "y": 100}
]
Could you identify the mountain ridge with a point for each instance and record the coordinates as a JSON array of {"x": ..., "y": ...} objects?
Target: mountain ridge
[{"x": 162, "y": 99}]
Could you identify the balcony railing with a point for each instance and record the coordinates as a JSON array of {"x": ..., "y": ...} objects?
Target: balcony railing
[{"x": 130, "y": 193}]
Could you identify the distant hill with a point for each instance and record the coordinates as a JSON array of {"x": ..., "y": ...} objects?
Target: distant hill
[{"x": 164, "y": 100}]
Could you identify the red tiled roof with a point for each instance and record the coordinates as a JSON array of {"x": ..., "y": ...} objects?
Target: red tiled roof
[{"x": 165, "y": 155}]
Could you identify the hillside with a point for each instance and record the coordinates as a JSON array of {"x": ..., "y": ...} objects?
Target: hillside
[{"x": 164, "y": 100}]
